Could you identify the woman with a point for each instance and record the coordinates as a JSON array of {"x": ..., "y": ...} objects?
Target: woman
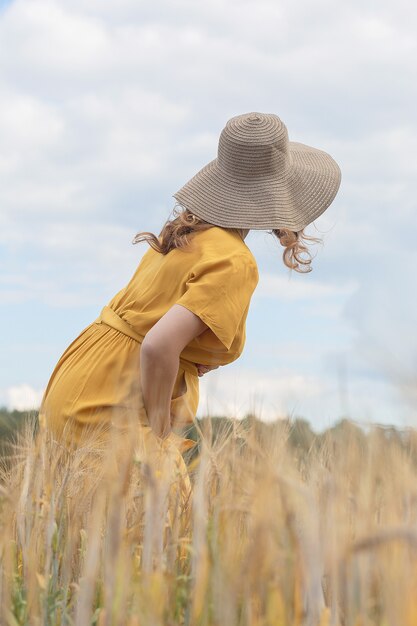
[{"x": 183, "y": 312}]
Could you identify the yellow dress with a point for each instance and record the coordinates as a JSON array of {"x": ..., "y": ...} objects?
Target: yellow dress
[{"x": 95, "y": 386}]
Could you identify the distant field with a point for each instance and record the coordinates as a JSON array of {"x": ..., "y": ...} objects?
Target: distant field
[{"x": 285, "y": 528}]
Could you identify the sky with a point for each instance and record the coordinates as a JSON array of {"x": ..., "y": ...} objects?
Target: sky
[{"x": 109, "y": 107}]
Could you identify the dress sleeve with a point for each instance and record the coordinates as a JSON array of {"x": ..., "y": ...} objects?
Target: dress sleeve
[{"x": 219, "y": 292}]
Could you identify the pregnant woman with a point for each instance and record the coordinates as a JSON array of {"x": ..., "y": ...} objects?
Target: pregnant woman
[{"x": 135, "y": 370}]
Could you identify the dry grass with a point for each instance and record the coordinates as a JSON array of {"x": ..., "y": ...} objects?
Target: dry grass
[{"x": 272, "y": 537}]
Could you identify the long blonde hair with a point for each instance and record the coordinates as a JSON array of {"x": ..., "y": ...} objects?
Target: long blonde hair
[
  {"x": 296, "y": 254},
  {"x": 176, "y": 233}
]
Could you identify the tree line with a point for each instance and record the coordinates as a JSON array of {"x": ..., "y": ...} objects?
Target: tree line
[{"x": 297, "y": 432}]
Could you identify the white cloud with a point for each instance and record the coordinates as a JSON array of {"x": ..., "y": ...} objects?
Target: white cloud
[
  {"x": 383, "y": 313},
  {"x": 35, "y": 29},
  {"x": 23, "y": 398},
  {"x": 300, "y": 288},
  {"x": 232, "y": 392},
  {"x": 286, "y": 392},
  {"x": 88, "y": 264}
]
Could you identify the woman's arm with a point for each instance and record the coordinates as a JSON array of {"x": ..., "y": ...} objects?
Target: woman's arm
[{"x": 159, "y": 362}]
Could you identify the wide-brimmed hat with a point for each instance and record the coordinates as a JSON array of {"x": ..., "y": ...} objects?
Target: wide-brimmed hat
[{"x": 260, "y": 180}]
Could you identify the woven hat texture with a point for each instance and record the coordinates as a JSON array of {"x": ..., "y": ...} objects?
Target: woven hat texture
[{"x": 260, "y": 180}]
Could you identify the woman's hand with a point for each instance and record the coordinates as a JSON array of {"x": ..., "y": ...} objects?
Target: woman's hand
[{"x": 203, "y": 369}]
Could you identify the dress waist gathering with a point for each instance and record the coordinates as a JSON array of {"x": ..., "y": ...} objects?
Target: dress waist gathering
[{"x": 109, "y": 317}]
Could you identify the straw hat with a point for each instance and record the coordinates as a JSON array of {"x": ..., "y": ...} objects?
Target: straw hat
[{"x": 260, "y": 180}]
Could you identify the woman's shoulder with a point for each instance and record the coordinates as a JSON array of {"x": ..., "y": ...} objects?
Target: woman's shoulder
[{"x": 222, "y": 242}]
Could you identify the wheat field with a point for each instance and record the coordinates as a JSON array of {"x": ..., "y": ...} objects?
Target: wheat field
[{"x": 274, "y": 535}]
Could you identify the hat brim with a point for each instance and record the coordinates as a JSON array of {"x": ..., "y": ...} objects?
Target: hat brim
[{"x": 307, "y": 189}]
